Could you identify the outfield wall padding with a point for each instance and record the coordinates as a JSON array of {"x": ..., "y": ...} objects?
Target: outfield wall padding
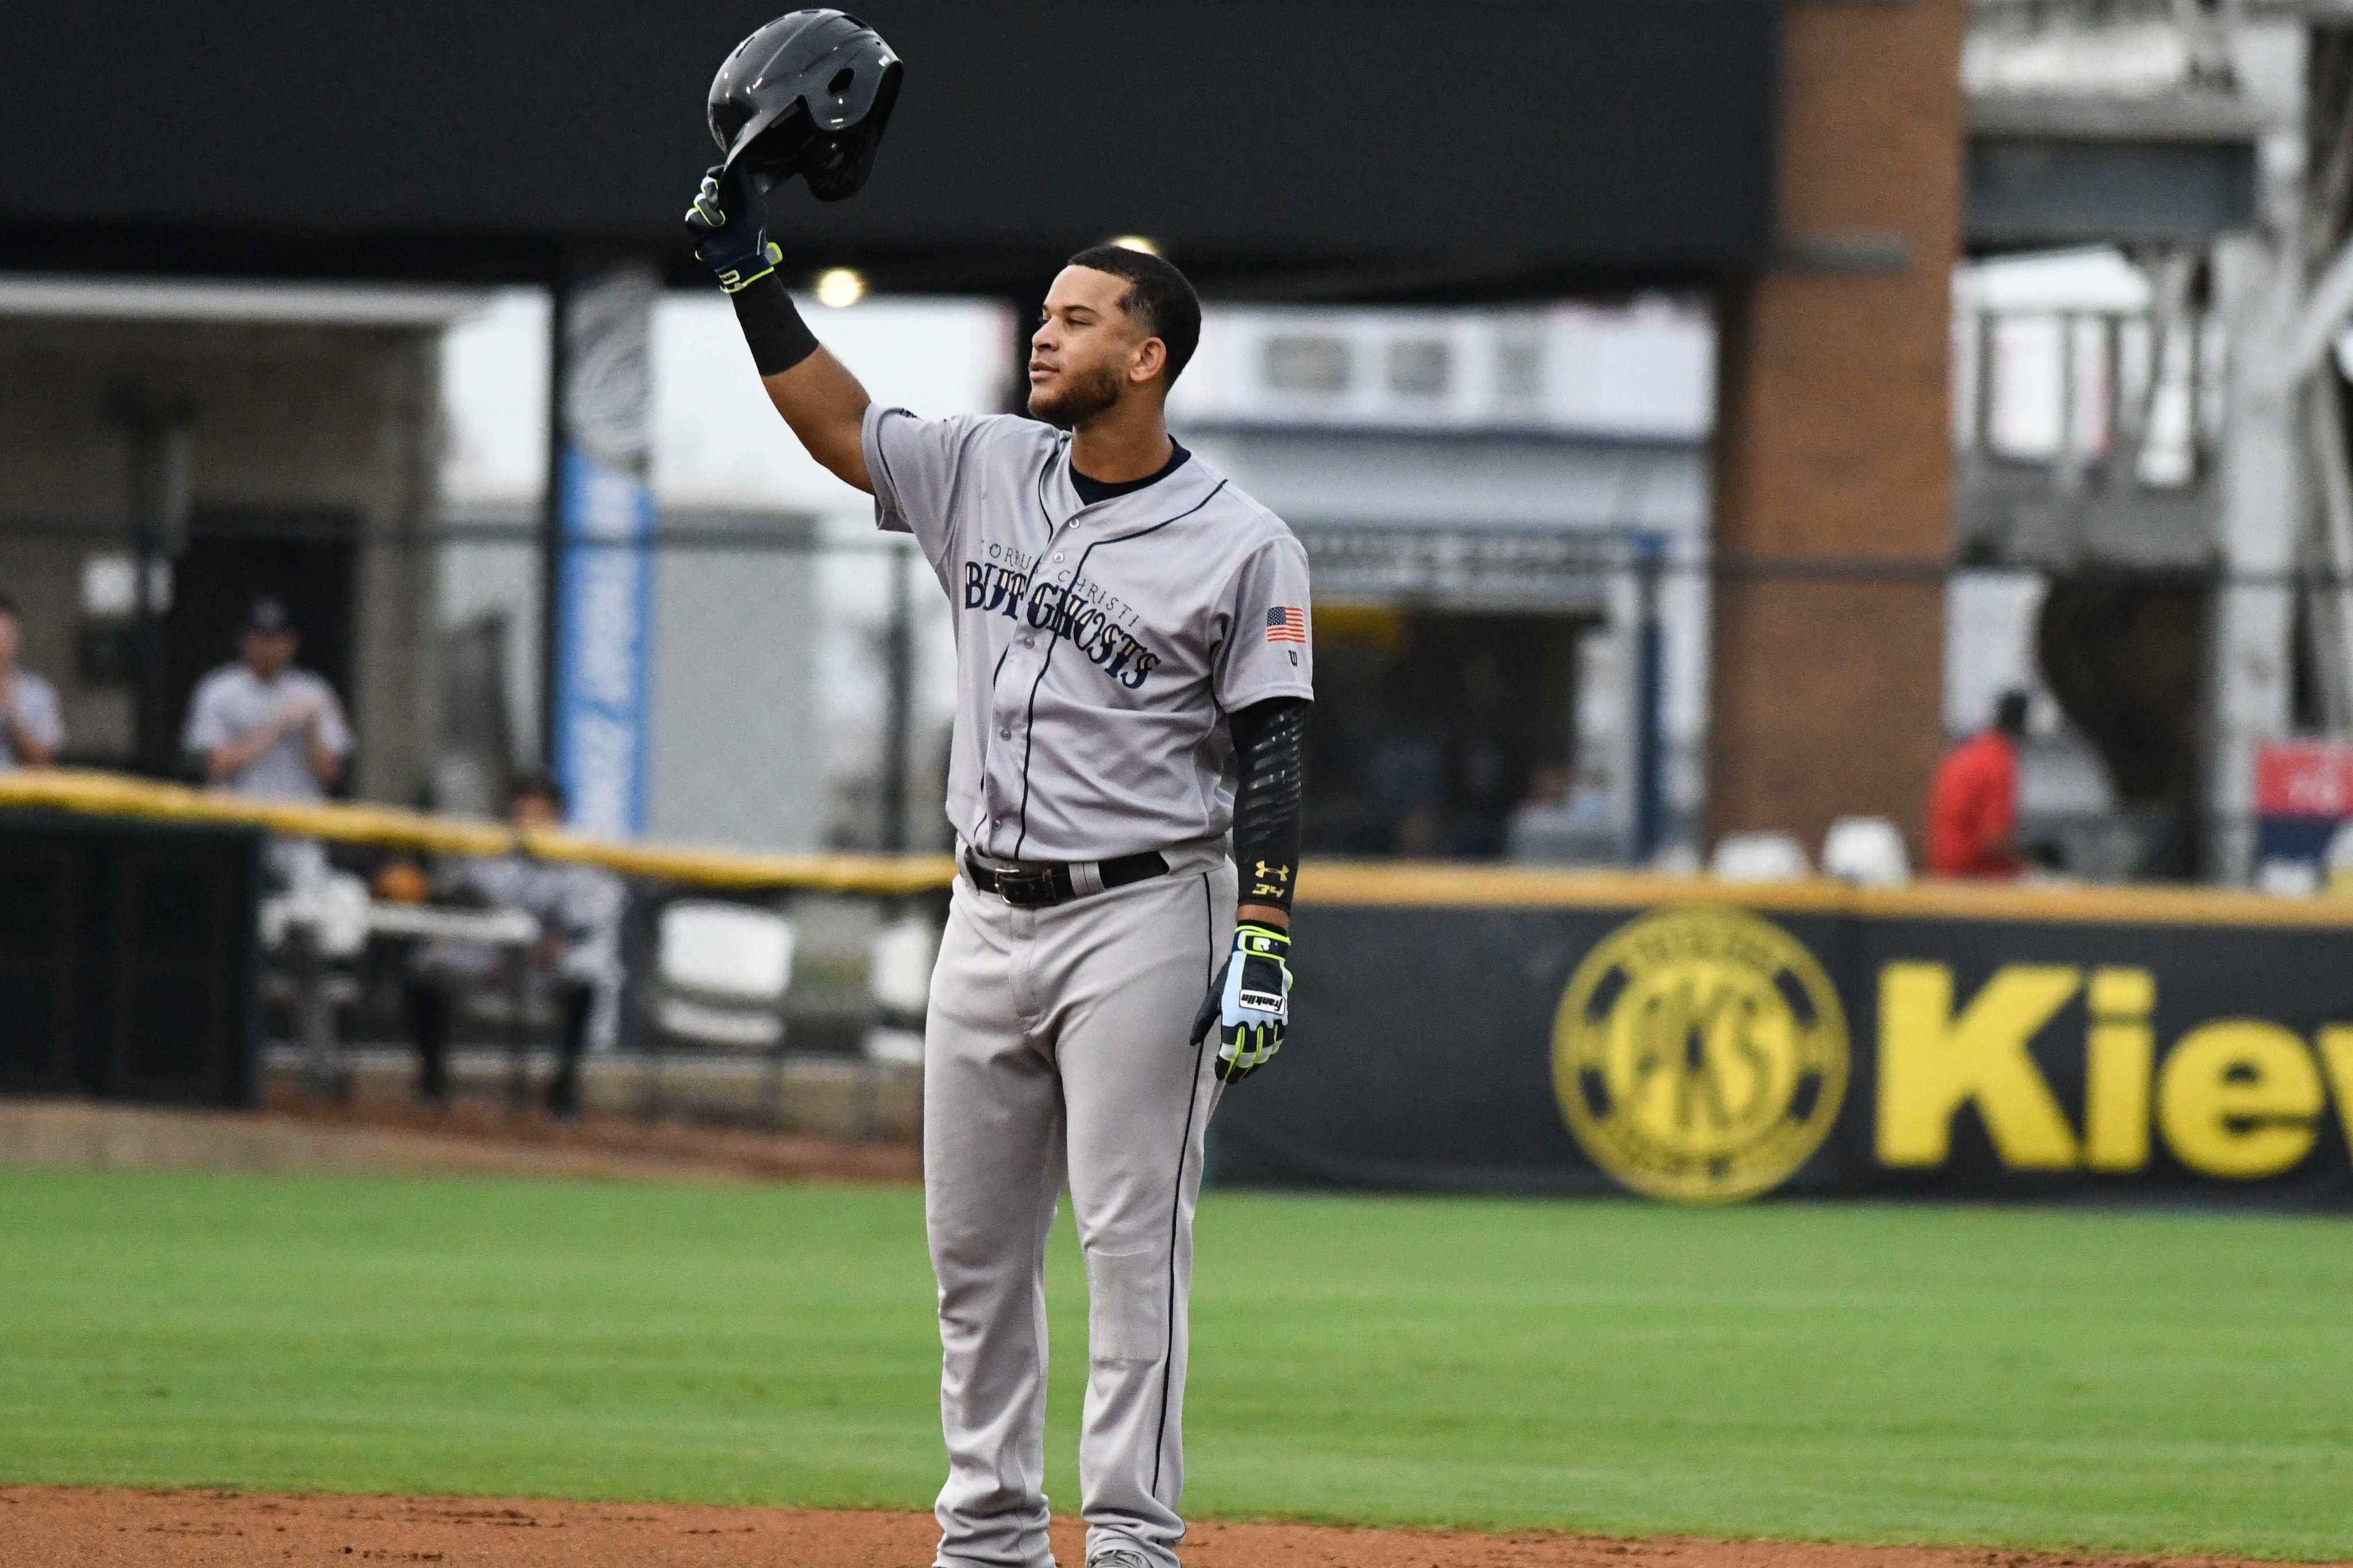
[
  {"x": 1456, "y": 1029},
  {"x": 1513, "y": 1033},
  {"x": 127, "y": 955}
]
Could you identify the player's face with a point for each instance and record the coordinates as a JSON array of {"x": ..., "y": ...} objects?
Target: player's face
[
  {"x": 267, "y": 653},
  {"x": 1088, "y": 352}
]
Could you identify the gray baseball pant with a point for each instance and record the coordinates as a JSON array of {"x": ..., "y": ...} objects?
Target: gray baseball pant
[{"x": 1056, "y": 1047}]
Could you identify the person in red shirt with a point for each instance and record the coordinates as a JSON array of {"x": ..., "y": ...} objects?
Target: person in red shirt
[{"x": 1973, "y": 805}]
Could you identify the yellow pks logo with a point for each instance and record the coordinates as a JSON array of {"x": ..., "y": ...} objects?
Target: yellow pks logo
[{"x": 1700, "y": 1055}]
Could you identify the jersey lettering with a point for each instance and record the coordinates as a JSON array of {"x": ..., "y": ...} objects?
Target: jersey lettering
[
  {"x": 995, "y": 588},
  {"x": 1162, "y": 599},
  {"x": 1079, "y": 613}
]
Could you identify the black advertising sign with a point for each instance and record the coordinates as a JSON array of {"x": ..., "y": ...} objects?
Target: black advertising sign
[
  {"x": 1513, "y": 1032},
  {"x": 127, "y": 956},
  {"x": 2030, "y": 1056}
]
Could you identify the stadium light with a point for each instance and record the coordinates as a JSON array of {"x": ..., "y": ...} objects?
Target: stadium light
[{"x": 840, "y": 287}]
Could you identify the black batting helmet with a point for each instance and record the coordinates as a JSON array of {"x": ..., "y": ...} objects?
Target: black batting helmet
[{"x": 807, "y": 94}]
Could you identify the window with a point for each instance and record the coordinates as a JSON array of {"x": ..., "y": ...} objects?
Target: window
[
  {"x": 1301, "y": 363},
  {"x": 1421, "y": 367},
  {"x": 1519, "y": 370}
]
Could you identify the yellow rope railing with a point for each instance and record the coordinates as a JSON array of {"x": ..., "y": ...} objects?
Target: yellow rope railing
[
  {"x": 111, "y": 794},
  {"x": 1389, "y": 884}
]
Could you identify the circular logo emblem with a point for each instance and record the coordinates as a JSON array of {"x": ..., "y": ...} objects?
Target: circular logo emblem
[{"x": 1700, "y": 1055}]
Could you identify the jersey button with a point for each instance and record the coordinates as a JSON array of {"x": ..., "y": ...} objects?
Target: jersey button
[
  {"x": 1004, "y": 732},
  {"x": 1058, "y": 556},
  {"x": 1029, "y": 642}
]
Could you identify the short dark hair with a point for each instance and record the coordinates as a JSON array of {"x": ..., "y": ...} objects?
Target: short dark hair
[
  {"x": 1158, "y": 293},
  {"x": 2010, "y": 713}
]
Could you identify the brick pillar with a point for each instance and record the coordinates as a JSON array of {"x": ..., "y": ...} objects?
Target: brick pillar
[{"x": 1833, "y": 437}]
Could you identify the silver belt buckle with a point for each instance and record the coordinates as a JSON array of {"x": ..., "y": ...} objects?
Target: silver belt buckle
[{"x": 1025, "y": 889}]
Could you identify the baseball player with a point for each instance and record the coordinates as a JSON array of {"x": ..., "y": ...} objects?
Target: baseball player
[{"x": 1130, "y": 628}]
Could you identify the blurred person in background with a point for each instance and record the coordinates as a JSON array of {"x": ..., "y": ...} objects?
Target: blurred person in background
[
  {"x": 1409, "y": 784},
  {"x": 1565, "y": 817},
  {"x": 578, "y": 910},
  {"x": 1973, "y": 804},
  {"x": 30, "y": 730},
  {"x": 263, "y": 728}
]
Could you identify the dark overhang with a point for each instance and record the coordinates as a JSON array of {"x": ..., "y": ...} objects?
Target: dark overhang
[
  {"x": 2047, "y": 170},
  {"x": 1343, "y": 148}
]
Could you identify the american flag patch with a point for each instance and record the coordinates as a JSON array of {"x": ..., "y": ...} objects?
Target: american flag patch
[{"x": 1287, "y": 623}]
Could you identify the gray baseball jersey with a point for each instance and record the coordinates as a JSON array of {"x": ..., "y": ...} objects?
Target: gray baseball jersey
[
  {"x": 1096, "y": 645},
  {"x": 232, "y": 702},
  {"x": 579, "y": 904},
  {"x": 33, "y": 703}
]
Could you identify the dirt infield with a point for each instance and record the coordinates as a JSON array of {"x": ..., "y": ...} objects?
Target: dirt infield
[
  {"x": 51, "y": 1527},
  {"x": 624, "y": 1147},
  {"x": 472, "y": 1140}
]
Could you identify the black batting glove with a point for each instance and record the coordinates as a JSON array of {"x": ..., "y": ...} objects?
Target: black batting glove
[{"x": 727, "y": 221}]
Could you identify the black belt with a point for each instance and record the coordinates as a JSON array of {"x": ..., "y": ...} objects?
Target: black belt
[{"x": 1038, "y": 887}]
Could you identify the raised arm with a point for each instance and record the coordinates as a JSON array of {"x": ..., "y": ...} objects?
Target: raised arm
[
  {"x": 825, "y": 407},
  {"x": 817, "y": 397}
]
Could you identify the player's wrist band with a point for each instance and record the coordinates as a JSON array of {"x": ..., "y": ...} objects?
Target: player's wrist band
[{"x": 771, "y": 325}]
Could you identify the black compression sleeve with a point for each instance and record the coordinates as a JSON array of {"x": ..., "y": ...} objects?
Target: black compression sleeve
[
  {"x": 771, "y": 325},
  {"x": 1271, "y": 746}
]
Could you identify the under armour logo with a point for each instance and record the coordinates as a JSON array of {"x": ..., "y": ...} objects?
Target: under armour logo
[{"x": 1280, "y": 873}]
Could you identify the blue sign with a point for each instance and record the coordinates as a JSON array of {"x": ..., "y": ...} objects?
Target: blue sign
[
  {"x": 605, "y": 653},
  {"x": 604, "y": 643}
]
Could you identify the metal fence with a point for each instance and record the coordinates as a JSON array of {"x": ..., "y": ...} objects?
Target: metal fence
[{"x": 801, "y": 674}]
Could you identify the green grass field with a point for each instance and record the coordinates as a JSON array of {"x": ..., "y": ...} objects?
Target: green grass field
[{"x": 2136, "y": 1381}]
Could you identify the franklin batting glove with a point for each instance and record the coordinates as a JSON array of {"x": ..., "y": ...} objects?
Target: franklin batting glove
[
  {"x": 732, "y": 243},
  {"x": 1250, "y": 1001}
]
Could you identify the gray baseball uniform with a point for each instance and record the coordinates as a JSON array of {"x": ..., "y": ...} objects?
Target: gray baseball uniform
[
  {"x": 1097, "y": 648},
  {"x": 33, "y": 703},
  {"x": 232, "y": 702}
]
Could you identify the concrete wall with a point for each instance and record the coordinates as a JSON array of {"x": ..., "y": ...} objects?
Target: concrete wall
[
  {"x": 1834, "y": 437},
  {"x": 286, "y": 417}
]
